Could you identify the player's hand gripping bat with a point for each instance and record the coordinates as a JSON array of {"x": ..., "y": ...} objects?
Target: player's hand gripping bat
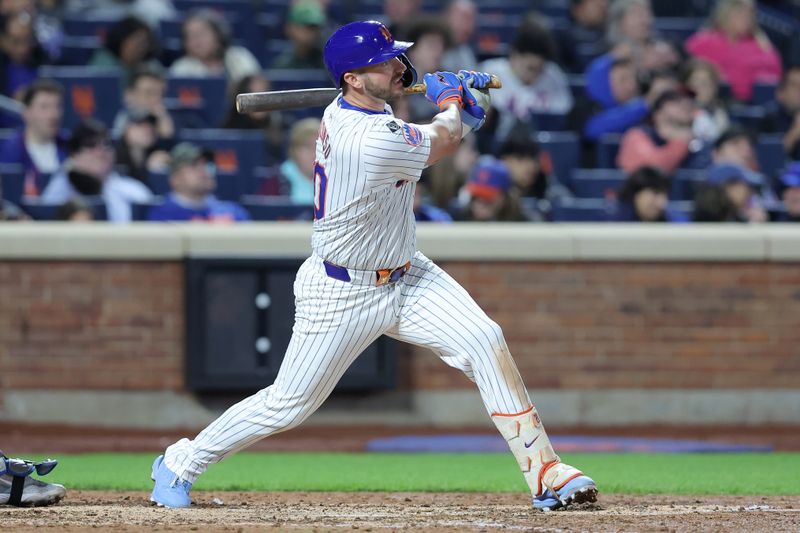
[{"x": 300, "y": 98}]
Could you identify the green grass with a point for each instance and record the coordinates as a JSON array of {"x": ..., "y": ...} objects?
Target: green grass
[{"x": 751, "y": 473}]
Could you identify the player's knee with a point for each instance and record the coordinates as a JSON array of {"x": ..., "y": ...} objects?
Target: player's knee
[{"x": 492, "y": 335}]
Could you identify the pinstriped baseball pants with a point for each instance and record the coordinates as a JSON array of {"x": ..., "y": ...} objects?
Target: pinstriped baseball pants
[{"x": 334, "y": 322}]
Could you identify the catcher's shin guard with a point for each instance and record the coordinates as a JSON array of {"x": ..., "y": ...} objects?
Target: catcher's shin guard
[
  {"x": 18, "y": 488},
  {"x": 553, "y": 484}
]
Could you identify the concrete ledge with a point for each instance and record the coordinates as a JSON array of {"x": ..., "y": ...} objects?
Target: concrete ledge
[
  {"x": 278, "y": 239},
  {"x": 453, "y": 242},
  {"x": 457, "y": 408},
  {"x": 621, "y": 242},
  {"x": 101, "y": 241}
]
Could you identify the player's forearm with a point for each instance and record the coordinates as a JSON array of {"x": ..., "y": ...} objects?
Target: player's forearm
[{"x": 445, "y": 133}]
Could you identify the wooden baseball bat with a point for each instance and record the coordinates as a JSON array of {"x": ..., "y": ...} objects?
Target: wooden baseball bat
[{"x": 300, "y": 98}]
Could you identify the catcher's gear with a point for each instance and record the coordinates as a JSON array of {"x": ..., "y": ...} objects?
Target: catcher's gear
[
  {"x": 553, "y": 484},
  {"x": 443, "y": 88},
  {"x": 361, "y": 44},
  {"x": 18, "y": 488}
]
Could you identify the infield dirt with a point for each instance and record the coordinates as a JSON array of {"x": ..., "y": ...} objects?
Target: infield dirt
[{"x": 451, "y": 512}]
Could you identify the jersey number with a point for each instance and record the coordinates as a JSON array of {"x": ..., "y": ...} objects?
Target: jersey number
[{"x": 320, "y": 190}]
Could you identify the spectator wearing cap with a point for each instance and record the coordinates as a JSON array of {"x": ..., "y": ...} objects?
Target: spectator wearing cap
[
  {"x": 532, "y": 80},
  {"x": 37, "y": 146},
  {"x": 783, "y": 114},
  {"x": 738, "y": 47},
  {"x": 668, "y": 143},
  {"x": 303, "y": 28},
  {"x": 736, "y": 147},
  {"x": 790, "y": 194},
  {"x": 193, "y": 182},
  {"x": 644, "y": 198},
  {"x": 130, "y": 45},
  {"x": 145, "y": 92},
  {"x": 138, "y": 149},
  {"x": 89, "y": 171},
  {"x": 739, "y": 187},
  {"x": 461, "y": 19},
  {"x": 488, "y": 195},
  {"x": 209, "y": 51}
]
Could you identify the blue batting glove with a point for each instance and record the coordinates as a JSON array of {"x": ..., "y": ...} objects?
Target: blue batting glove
[
  {"x": 442, "y": 88},
  {"x": 478, "y": 80},
  {"x": 475, "y": 104}
]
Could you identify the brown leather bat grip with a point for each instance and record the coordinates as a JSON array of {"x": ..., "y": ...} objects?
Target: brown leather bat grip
[{"x": 494, "y": 83}]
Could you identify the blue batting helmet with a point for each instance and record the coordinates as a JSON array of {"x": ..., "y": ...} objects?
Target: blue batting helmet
[{"x": 361, "y": 44}]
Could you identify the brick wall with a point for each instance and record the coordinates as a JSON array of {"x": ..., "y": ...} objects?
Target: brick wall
[
  {"x": 637, "y": 325},
  {"x": 117, "y": 325},
  {"x": 91, "y": 325}
]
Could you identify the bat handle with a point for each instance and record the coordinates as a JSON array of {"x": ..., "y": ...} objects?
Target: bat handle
[{"x": 494, "y": 83}]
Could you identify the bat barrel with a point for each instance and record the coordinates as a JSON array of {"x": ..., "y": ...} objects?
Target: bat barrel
[{"x": 276, "y": 100}]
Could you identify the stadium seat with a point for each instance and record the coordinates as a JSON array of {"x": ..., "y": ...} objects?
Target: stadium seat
[
  {"x": 549, "y": 121},
  {"x": 243, "y": 9},
  {"x": 748, "y": 116},
  {"x": 285, "y": 79},
  {"x": 596, "y": 182},
  {"x": 158, "y": 182},
  {"x": 78, "y": 50},
  {"x": 12, "y": 182},
  {"x": 577, "y": 84},
  {"x": 563, "y": 148},
  {"x": 677, "y": 29},
  {"x": 140, "y": 210},
  {"x": 39, "y": 210},
  {"x": 581, "y": 210},
  {"x": 237, "y": 153},
  {"x": 771, "y": 155},
  {"x": 206, "y": 96},
  {"x": 607, "y": 148},
  {"x": 276, "y": 208},
  {"x": 89, "y": 92},
  {"x": 763, "y": 93},
  {"x": 685, "y": 182},
  {"x": 87, "y": 26}
]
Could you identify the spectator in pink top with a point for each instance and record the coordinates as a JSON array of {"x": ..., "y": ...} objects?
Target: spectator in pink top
[{"x": 738, "y": 47}]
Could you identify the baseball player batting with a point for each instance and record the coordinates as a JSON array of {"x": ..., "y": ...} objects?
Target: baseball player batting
[{"x": 365, "y": 277}]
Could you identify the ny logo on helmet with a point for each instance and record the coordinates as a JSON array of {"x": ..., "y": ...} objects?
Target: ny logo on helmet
[{"x": 386, "y": 34}]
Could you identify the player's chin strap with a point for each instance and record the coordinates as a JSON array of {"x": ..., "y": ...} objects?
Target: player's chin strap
[
  {"x": 19, "y": 469},
  {"x": 531, "y": 447}
]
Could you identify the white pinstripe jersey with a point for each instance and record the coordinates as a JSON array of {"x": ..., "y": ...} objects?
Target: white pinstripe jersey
[{"x": 367, "y": 167}]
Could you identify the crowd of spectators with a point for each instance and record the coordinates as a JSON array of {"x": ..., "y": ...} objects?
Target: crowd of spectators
[{"x": 617, "y": 110}]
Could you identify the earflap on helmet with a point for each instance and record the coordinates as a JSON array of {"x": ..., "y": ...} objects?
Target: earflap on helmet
[{"x": 410, "y": 75}]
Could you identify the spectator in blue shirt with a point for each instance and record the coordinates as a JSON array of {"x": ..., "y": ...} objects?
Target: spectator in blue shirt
[
  {"x": 790, "y": 183},
  {"x": 20, "y": 53},
  {"x": 37, "y": 146},
  {"x": 193, "y": 183}
]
